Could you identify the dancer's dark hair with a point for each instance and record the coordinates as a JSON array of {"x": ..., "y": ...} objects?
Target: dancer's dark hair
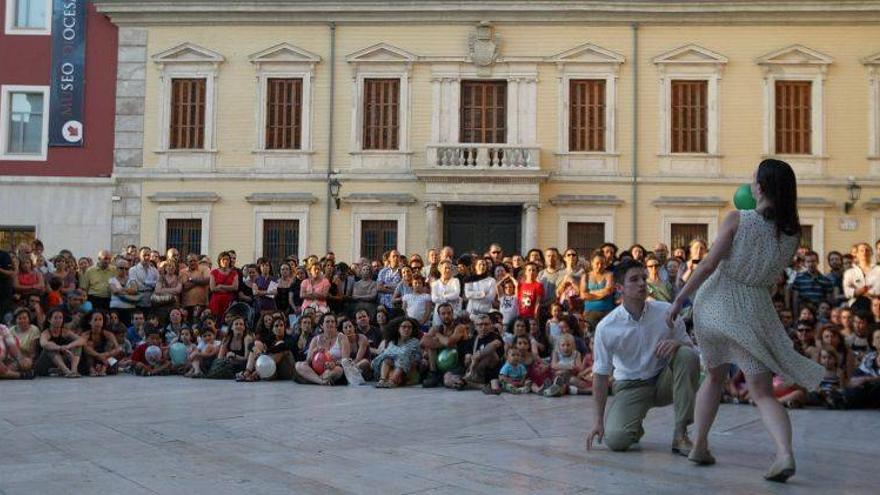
[{"x": 779, "y": 186}]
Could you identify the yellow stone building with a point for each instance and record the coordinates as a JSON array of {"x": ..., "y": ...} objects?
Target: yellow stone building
[{"x": 301, "y": 126}]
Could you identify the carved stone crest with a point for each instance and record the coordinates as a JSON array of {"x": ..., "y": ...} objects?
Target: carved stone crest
[{"x": 483, "y": 44}]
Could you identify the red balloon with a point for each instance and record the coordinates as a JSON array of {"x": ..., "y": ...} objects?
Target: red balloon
[{"x": 318, "y": 362}]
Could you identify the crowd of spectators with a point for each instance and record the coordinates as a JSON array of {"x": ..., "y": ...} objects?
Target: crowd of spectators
[{"x": 495, "y": 321}]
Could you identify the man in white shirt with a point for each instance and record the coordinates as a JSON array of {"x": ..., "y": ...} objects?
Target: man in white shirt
[
  {"x": 653, "y": 366},
  {"x": 147, "y": 276}
]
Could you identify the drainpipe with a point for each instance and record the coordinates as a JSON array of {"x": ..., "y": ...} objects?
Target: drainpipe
[
  {"x": 635, "y": 131},
  {"x": 330, "y": 131}
]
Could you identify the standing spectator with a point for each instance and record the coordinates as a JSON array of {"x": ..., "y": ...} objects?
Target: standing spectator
[
  {"x": 96, "y": 281},
  {"x": 551, "y": 276},
  {"x": 529, "y": 292},
  {"x": 696, "y": 252},
  {"x": 8, "y": 271},
  {"x": 446, "y": 289},
  {"x": 223, "y": 284},
  {"x": 479, "y": 289},
  {"x": 658, "y": 289},
  {"x": 404, "y": 287},
  {"x": 364, "y": 291},
  {"x": 66, "y": 273},
  {"x": 285, "y": 281},
  {"x": 835, "y": 274},
  {"x": 195, "y": 279},
  {"x": 388, "y": 279},
  {"x": 265, "y": 288},
  {"x": 167, "y": 293},
  {"x": 147, "y": 277},
  {"x": 609, "y": 252},
  {"x": 496, "y": 253},
  {"x": 123, "y": 292},
  {"x": 862, "y": 280},
  {"x": 638, "y": 252},
  {"x": 597, "y": 290},
  {"x": 314, "y": 290},
  {"x": 810, "y": 287},
  {"x": 28, "y": 280}
]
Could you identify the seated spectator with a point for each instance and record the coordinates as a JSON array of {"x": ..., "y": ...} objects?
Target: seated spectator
[
  {"x": 60, "y": 348},
  {"x": 857, "y": 342},
  {"x": 417, "y": 302},
  {"x": 359, "y": 344},
  {"x": 101, "y": 352},
  {"x": 864, "y": 387},
  {"x": 203, "y": 356},
  {"x": 54, "y": 296},
  {"x": 333, "y": 345},
  {"x": 26, "y": 333},
  {"x": 484, "y": 359},
  {"x": 232, "y": 358},
  {"x": 13, "y": 363},
  {"x": 175, "y": 325},
  {"x": 401, "y": 354},
  {"x": 514, "y": 375},
  {"x": 139, "y": 363}
]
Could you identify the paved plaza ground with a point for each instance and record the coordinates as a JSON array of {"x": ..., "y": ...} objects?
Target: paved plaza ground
[{"x": 137, "y": 435}]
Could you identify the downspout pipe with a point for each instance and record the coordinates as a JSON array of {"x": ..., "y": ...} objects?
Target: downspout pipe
[
  {"x": 332, "y": 104},
  {"x": 635, "y": 133}
]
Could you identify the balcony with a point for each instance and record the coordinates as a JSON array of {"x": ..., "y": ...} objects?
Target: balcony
[{"x": 483, "y": 156}]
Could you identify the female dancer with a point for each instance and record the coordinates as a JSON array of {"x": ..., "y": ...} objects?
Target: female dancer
[{"x": 752, "y": 248}]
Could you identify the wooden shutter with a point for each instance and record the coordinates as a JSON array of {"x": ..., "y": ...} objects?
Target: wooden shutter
[
  {"x": 377, "y": 236},
  {"x": 280, "y": 240},
  {"x": 584, "y": 237},
  {"x": 483, "y": 112},
  {"x": 684, "y": 233},
  {"x": 187, "y": 114},
  {"x": 381, "y": 114},
  {"x": 185, "y": 234},
  {"x": 689, "y": 129},
  {"x": 807, "y": 236},
  {"x": 283, "y": 114},
  {"x": 586, "y": 115},
  {"x": 793, "y": 117}
]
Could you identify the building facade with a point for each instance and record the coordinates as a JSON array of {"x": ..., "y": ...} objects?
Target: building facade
[
  {"x": 61, "y": 194},
  {"x": 299, "y": 127}
]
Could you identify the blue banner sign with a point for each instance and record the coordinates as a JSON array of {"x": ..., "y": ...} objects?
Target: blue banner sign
[{"x": 67, "y": 89}]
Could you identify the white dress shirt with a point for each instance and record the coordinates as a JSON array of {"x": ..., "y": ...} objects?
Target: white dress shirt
[
  {"x": 627, "y": 345},
  {"x": 854, "y": 279},
  {"x": 442, "y": 292}
]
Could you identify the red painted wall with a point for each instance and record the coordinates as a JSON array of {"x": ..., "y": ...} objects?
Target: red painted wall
[{"x": 27, "y": 60}]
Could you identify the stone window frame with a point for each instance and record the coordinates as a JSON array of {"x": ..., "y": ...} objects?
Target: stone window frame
[
  {"x": 11, "y": 30},
  {"x": 872, "y": 66},
  {"x": 285, "y": 61},
  {"x": 390, "y": 213},
  {"x": 702, "y": 215},
  {"x": 380, "y": 61},
  {"x": 588, "y": 61},
  {"x": 299, "y": 213},
  {"x": 5, "y": 110},
  {"x": 692, "y": 63},
  {"x": 188, "y": 61},
  {"x": 796, "y": 63},
  {"x": 567, "y": 215},
  {"x": 184, "y": 211}
]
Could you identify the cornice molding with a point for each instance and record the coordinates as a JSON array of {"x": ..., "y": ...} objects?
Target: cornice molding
[{"x": 147, "y": 12}]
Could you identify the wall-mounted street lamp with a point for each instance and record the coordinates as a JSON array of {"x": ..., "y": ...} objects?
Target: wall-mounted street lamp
[
  {"x": 855, "y": 191},
  {"x": 335, "y": 186}
]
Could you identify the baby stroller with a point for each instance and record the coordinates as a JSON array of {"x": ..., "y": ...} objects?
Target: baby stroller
[{"x": 243, "y": 310}]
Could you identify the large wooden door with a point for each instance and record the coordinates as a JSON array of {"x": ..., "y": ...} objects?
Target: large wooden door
[{"x": 471, "y": 228}]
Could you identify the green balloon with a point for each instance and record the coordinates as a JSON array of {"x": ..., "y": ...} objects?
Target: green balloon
[
  {"x": 447, "y": 359},
  {"x": 743, "y": 199}
]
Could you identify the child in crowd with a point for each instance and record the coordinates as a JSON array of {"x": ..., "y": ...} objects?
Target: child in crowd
[
  {"x": 544, "y": 349},
  {"x": 136, "y": 332},
  {"x": 187, "y": 339},
  {"x": 417, "y": 304},
  {"x": 565, "y": 365},
  {"x": 54, "y": 297},
  {"x": 514, "y": 375},
  {"x": 829, "y": 391},
  {"x": 551, "y": 328},
  {"x": 537, "y": 370},
  {"x": 529, "y": 292},
  {"x": 140, "y": 365},
  {"x": 203, "y": 356},
  {"x": 117, "y": 328},
  {"x": 507, "y": 301}
]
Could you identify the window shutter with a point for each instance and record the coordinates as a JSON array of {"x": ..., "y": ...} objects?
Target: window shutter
[
  {"x": 283, "y": 114},
  {"x": 689, "y": 113},
  {"x": 187, "y": 114},
  {"x": 586, "y": 115},
  {"x": 381, "y": 114}
]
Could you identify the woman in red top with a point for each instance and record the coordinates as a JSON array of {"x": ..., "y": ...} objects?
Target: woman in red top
[
  {"x": 29, "y": 280},
  {"x": 529, "y": 292},
  {"x": 224, "y": 285}
]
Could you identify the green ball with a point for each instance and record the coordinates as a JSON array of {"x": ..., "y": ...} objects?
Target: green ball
[
  {"x": 447, "y": 360},
  {"x": 743, "y": 199}
]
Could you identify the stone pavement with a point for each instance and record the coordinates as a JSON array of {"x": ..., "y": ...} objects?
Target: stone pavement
[{"x": 137, "y": 435}]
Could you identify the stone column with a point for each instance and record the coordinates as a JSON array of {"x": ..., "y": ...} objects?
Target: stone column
[
  {"x": 530, "y": 235},
  {"x": 432, "y": 225}
]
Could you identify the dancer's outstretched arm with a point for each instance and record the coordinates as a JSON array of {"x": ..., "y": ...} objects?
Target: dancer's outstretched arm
[{"x": 720, "y": 250}]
